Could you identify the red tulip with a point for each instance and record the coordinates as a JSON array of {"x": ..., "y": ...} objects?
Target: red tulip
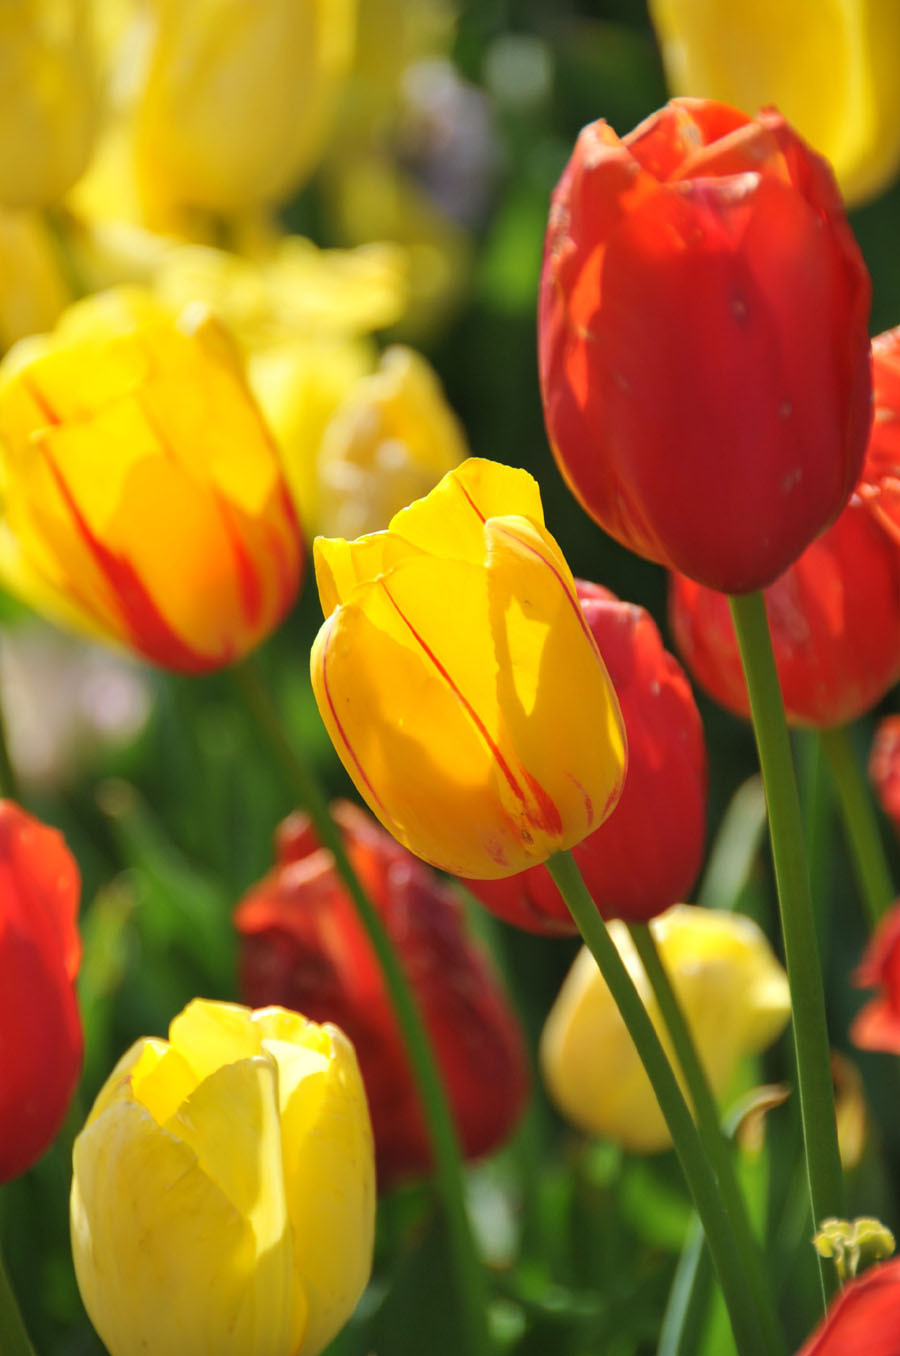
[
  {"x": 646, "y": 855},
  {"x": 864, "y": 1320},
  {"x": 703, "y": 340},
  {"x": 877, "y": 1025},
  {"x": 40, "y": 950},
  {"x": 302, "y": 947},
  {"x": 884, "y": 767}
]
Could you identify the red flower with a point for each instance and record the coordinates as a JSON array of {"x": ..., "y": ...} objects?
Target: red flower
[
  {"x": 835, "y": 613},
  {"x": 302, "y": 947},
  {"x": 884, "y": 767},
  {"x": 864, "y": 1320},
  {"x": 40, "y": 950},
  {"x": 646, "y": 855},
  {"x": 703, "y": 340},
  {"x": 877, "y": 1025}
]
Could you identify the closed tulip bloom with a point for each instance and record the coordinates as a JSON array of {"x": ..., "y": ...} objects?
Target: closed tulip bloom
[
  {"x": 834, "y": 614},
  {"x": 646, "y": 855},
  {"x": 223, "y": 1190},
  {"x": 735, "y": 998},
  {"x": 460, "y": 683},
  {"x": 144, "y": 501},
  {"x": 828, "y": 67},
  {"x": 238, "y": 98},
  {"x": 877, "y": 1025},
  {"x": 40, "y": 951},
  {"x": 49, "y": 99},
  {"x": 864, "y": 1319},
  {"x": 884, "y": 767},
  {"x": 33, "y": 292},
  {"x": 703, "y": 341},
  {"x": 302, "y": 945}
]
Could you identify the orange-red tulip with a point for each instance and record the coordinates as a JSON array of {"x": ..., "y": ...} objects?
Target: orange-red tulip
[
  {"x": 877, "y": 1025},
  {"x": 864, "y": 1319},
  {"x": 884, "y": 767}
]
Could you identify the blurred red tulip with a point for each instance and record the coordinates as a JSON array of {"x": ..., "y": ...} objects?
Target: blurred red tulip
[
  {"x": 40, "y": 950},
  {"x": 884, "y": 767},
  {"x": 703, "y": 340},
  {"x": 864, "y": 1320},
  {"x": 302, "y": 947},
  {"x": 646, "y": 855},
  {"x": 877, "y": 1025},
  {"x": 835, "y": 613}
]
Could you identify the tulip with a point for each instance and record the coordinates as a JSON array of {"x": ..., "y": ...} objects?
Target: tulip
[
  {"x": 884, "y": 767},
  {"x": 877, "y": 1025},
  {"x": 834, "y": 614},
  {"x": 864, "y": 1320},
  {"x": 735, "y": 998},
  {"x": 646, "y": 855},
  {"x": 829, "y": 68},
  {"x": 302, "y": 945},
  {"x": 50, "y": 99},
  {"x": 33, "y": 293},
  {"x": 144, "y": 501},
  {"x": 223, "y": 1191},
  {"x": 703, "y": 341},
  {"x": 238, "y": 98},
  {"x": 40, "y": 950},
  {"x": 459, "y": 681}
]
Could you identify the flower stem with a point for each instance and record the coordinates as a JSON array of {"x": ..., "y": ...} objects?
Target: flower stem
[
  {"x": 801, "y": 951},
  {"x": 746, "y": 1325},
  {"x": 719, "y": 1149},
  {"x": 14, "y": 1339},
  {"x": 860, "y": 821},
  {"x": 9, "y": 782},
  {"x": 470, "y": 1275}
]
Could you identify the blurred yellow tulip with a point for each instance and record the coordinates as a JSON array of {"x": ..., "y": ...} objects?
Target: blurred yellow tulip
[
  {"x": 33, "y": 292},
  {"x": 734, "y": 995},
  {"x": 459, "y": 682},
  {"x": 48, "y": 99},
  {"x": 143, "y": 500},
  {"x": 829, "y": 65},
  {"x": 223, "y": 1196}
]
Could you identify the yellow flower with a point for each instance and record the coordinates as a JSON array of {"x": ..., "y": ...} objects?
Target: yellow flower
[
  {"x": 223, "y": 1196},
  {"x": 830, "y": 67},
  {"x": 143, "y": 499},
  {"x": 389, "y": 443},
  {"x": 32, "y": 290},
  {"x": 48, "y": 99},
  {"x": 735, "y": 997},
  {"x": 459, "y": 682},
  {"x": 238, "y": 98}
]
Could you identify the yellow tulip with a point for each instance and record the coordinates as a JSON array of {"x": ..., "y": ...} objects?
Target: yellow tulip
[
  {"x": 33, "y": 292},
  {"x": 459, "y": 682},
  {"x": 734, "y": 995},
  {"x": 223, "y": 1196},
  {"x": 48, "y": 99},
  {"x": 238, "y": 97},
  {"x": 829, "y": 65},
  {"x": 389, "y": 443},
  {"x": 143, "y": 499}
]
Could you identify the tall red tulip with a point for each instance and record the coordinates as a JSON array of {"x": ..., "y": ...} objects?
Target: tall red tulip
[
  {"x": 302, "y": 947},
  {"x": 646, "y": 855},
  {"x": 835, "y": 613},
  {"x": 864, "y": 1320},
  {"x": 40, "y": 950},
  {"x": 703, "y": 340},
  {"x": 877, "y": 1025}
]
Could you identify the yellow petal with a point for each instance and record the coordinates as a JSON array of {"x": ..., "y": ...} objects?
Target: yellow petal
[{"x": 449, "y": 522}]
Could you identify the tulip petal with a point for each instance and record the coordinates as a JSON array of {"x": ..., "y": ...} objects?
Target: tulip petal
[
  {"x": 449, "y": 522},
  {"x": 208, "y": 1034}
]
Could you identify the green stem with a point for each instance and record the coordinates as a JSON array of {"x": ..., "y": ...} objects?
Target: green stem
[
  {"x": 748, "y": 1331},
  {"x": 687, "y": 1307},
  {"x": 801, "y": 951},
  {"x": 470, "y": 1275},
  {"x": 9, "y": 782},
  {"x": 719, "y": 1148},
  {"x": 14, "y": 1339},
  {"x": 860, "y": 821}
]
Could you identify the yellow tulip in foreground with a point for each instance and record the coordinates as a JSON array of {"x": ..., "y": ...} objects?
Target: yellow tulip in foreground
[
  {"x": 460, "y": 683},
  {"x": 223, "y": 1197},
  {"x": 143, "y": 500},
  {"x": 830, "y": 66},
  {"x": 734, "y": 995}
]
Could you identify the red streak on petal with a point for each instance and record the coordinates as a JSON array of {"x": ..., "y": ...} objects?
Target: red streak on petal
[
  {"x": 571, "y": 598},
  {"x": 37, "y": 395},
  {"x": 245, "y": 567},
  {"x": 471, "y": 502},
  {"x": 329, "y": 623}
]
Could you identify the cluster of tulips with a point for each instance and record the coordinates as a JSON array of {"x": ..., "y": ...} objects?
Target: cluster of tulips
[{"x": 714, "y": 402}]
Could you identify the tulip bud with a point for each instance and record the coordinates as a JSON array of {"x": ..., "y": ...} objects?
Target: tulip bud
[
  {"x": 40, "y": 950},
  {"x": 734, "y": 995},
  {"x": 877, "y": 1025},
  {"x": 459, "y": 681},
  {"x": 302, "y": 945},
  {"x": 703, "y": 341},
  {"x": 865, "y": 1317},
  {"x": 223, "y": 1191},
  {"x": 646, "y": 855},
  {"x": 144, "y": 501},
  {"x": 834, "y": 614},
  {"x": 49, "y": 101}
]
